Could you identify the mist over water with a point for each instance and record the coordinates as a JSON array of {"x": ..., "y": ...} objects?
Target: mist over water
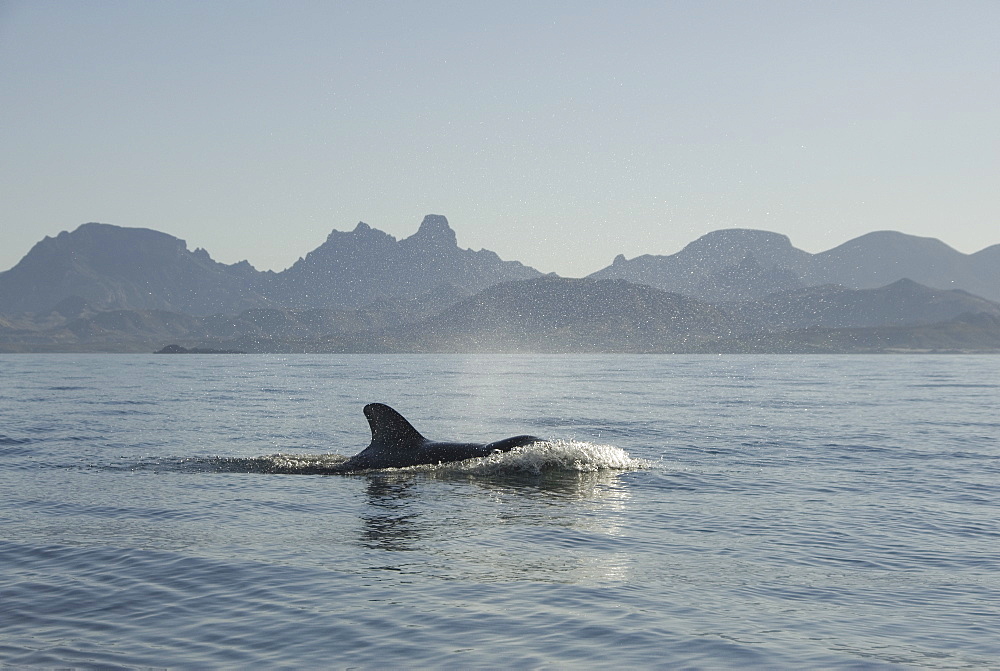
[{"x": 698, "y": 511}]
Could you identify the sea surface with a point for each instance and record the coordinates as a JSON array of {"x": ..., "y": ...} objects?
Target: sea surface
[{"x": 687, "y": 512}]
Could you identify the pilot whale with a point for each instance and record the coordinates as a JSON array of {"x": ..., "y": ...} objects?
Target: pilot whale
[{"x": 396, "y": 443}]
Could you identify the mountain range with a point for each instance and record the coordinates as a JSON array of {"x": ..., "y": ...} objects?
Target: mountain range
[
  {"x": 741, "y": 264},
  {"x": 114, "y": 268},
  {"x": 108, "y": 288}
]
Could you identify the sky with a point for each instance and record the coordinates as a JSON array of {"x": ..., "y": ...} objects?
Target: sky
[{"x": 558, "y": 134}]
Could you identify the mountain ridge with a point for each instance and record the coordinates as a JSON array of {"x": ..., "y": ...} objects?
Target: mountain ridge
[
  {"x": 116, "y": 268},
  {"x": 108, "y": 287},
  {"x": 549, "y": 314},
  {"x": 749, "y": 263},
  {"x": 125, "y": 268},
  {"x": 351, "y": 269}
]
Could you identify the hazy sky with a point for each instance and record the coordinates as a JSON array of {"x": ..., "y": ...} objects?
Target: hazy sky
[{"x": 555, "y": 133}]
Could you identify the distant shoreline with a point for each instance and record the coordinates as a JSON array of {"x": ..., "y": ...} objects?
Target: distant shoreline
[{"x": 177, "y": 349}]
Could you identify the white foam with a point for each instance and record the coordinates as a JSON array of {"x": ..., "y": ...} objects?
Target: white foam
[
  {"x": 542, "y": 457},
  {"x": 296, "y": 462},
  {"x": 546, "y": 456}
]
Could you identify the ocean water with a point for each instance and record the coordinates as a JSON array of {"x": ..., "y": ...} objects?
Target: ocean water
[{"x": 687, "y": 512}]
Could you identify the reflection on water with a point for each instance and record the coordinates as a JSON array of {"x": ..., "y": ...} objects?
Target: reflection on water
[
  {"x": 563, "y": 500},
  {"x": 548, "y": 485},
  {"x": 452, "y": 523},
  {"x": 389, "y": 523}
]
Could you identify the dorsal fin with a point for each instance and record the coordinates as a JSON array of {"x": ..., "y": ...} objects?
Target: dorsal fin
[{"x": 390, "y": 429}]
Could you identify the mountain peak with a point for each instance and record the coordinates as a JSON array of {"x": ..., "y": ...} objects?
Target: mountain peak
[
  {"x": 894, "y": 243},
  {"x": 115, "y": 268},
  {"x": 96, "y": 229},
  {"x": 434, "y": 229},
  {"x": 729, "y": 240},
  {"x": 367, "y": 265},
  {"x": 363, "y": 234}
]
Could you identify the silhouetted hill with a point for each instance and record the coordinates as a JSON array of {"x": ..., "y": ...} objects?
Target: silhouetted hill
[
  {"x": 128, "y": 325},
  {"x": 108, "y": 288},
  {"x": 745, "y": 264},
  {"x": 902, "y": 303},
  {"x": 109, "y": 267},
  {"x": 731, "y": 264},
  {"x": 108, "y": 331},
  {"x": 989, "y": 258},
  {"x": 879, "y": 258},
  {"x": 255, "y": 329},
  {"x": 967, "y": 333},
  {"x": 552, "y": 314},
  {"x": 366, "y": 265}
]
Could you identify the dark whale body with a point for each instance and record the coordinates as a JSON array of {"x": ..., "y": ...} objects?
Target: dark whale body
[{"x": 396, "y": 443}]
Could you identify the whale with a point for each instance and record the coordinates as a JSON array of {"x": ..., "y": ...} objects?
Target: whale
[{"x": 395, "y": 444}]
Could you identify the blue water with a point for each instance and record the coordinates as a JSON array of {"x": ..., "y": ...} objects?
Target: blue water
[{"x": 689, "y": 512}]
